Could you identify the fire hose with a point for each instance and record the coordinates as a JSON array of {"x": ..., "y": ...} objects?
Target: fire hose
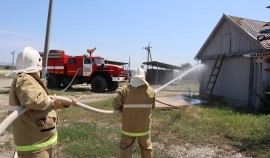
[
  {"x": 79, "y": 69},
  {"x": 20, "y": 110},
  {"x": 8, "y": 120}
]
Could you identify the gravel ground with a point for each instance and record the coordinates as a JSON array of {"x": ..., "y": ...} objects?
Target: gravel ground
[
  {"x": 5, "y": 137},
  {"x": 183, "y": 151}
]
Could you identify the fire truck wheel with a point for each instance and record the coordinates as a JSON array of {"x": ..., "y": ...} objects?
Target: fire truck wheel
[
  {"x": 113, "y": 86},
  {"x": 53, "y": 82},
  {"x": 98, "y": 84}
]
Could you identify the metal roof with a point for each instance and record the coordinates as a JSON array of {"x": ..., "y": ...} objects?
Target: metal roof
[
  {"x": 251, "y": 27},
  {"x": 162, "y": 65},
  {"x": 115, "y": 62}
]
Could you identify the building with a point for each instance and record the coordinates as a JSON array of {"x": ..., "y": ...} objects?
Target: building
[
  {"x": 237, "y": 77},
  {"x": 161, "y": 74}
]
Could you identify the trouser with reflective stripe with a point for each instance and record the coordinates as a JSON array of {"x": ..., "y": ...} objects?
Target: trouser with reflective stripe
[
  {"x": 35, "y": 150},
  {"x": 37, "y": 146},
  {"x": 126, "y": 146},
  {"x": 42, "y": 154}
]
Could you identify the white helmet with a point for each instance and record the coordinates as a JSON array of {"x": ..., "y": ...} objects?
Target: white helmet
[
  {"x": 28, "y": 61},
  {"x": 138, "y": 77}
]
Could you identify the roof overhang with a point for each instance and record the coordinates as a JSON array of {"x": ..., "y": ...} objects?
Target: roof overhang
[
  {"x": 116, "y": 62},
  {"x": 162, "y": 65}
]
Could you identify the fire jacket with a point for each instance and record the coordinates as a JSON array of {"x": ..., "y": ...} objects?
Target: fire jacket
[
  {"x": 136, "y": 104},
  {"x": 35, "y": 129}
]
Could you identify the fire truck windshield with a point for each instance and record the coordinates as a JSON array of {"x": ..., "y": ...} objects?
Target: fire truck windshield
[{"x": 99, "y": 61}]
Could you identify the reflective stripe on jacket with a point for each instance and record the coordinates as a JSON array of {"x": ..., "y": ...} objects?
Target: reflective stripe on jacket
[
  {"x": 136, "y": 104},
  {"x": 37, "y": 146}
]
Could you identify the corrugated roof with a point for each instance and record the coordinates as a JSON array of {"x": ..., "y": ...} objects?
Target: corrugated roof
[
  {"x": 162, "y": 65},
  {"x": 251, "y": 27},
  {"x": 116, "y": 62}
]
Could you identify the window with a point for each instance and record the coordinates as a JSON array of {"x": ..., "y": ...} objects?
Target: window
[
  {"x": 99, "y": 61},
  {"x": 87, "y": 61},
  {"x": 72, "y": 61}
]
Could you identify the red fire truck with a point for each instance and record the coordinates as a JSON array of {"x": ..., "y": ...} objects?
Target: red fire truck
[{"x": 64, "y": 69}]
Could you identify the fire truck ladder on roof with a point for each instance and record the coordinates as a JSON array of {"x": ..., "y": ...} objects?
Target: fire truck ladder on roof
[{"x": 214, "y": 75}]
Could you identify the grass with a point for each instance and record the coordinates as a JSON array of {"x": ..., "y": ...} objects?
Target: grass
[
  {"x": 3, "y": 76},
  {"x": 221, "y": 125},
  {"x": 4, "y": 91},
  {"x": 73, "y": 90},
  {"x": 84, "y": 137},
  {"x": 86, "y": 134}
]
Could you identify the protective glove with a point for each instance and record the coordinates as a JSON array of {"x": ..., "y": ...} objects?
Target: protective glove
[
  {"x": 60, "y": 105},
  {"x": 57, "y": 104}
]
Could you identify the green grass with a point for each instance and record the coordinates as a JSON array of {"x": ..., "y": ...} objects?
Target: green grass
[
  {"x": 89, "y": 140},
  {"x": 73, "y": 90},
  {"x": 4, "y": 91},
  {"x": 184, "y": 85},
  {"x": 2, "y": 76},
  {"x": 216, "y": 126},
  {"x": 87, "y": 134}
]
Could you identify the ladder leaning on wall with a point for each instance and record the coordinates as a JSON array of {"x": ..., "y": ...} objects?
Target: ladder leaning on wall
[{"x": 214, "y": 75}]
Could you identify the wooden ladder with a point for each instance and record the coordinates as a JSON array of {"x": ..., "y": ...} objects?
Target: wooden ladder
[{"x": 214, "y": 75}]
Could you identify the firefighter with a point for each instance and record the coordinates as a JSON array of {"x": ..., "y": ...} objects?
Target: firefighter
[
  {"x": 34, "y": 132},
  {"x": 136, "y": 102}
]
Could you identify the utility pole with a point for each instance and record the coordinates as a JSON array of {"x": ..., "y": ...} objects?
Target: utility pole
[
  {"x": 148, "y": 48},
  {"x": 128, "y": 63},
  {"x": 12, "y": 57},
  {"x": 47, "y": 42}
]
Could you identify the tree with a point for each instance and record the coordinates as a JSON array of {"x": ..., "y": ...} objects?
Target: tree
[{"x": 185, "y": 67}]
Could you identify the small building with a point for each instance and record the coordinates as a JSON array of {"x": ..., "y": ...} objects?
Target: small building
[
  {"x": 125, "y": 65},
  {"x": 237, "y": 77},
  {"x": 160, "y": 73},
  {"x": 127, "y": 70}
]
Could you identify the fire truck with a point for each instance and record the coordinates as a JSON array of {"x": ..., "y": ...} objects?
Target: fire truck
[{"x": 64, "y": 69}]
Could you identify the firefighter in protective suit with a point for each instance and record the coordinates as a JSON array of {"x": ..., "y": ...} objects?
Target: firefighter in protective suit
[
  {"x": 136, "y": 102},
  {"x": 34, "y": 132}
]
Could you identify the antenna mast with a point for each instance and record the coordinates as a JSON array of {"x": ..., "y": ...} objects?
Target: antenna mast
[
  {"x": 12, "y": 57},
  {"x": 148, "y": 48}
]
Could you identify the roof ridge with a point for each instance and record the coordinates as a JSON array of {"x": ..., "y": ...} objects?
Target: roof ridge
[{"x": 245, "y": 18}]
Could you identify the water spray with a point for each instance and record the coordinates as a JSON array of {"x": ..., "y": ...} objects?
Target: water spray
[{"x": 179, "y": 77}]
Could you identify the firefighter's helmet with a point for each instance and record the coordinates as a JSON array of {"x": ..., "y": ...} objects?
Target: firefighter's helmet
[
  {"x": 138, "y": 77},
  {"x": 28, "y": 61}
]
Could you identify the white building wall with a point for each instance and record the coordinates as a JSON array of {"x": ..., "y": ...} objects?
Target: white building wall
[
  {"x": 218, "y": 44},
  {"x": 233, "y": 79}
]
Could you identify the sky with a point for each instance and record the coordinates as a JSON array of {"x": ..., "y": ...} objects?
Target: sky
[{"x": 119, "y": 29}]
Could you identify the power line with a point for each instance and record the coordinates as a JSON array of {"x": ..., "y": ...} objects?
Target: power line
[
  {"x": 148, "y": 48},
  {"x": 13, "y": 53}
]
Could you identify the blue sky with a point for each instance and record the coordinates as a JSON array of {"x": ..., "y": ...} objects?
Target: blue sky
[{"x": 120, "y": 29}]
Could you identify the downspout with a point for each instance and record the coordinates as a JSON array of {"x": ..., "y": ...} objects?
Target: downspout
[{"x": 251, "y": 82}]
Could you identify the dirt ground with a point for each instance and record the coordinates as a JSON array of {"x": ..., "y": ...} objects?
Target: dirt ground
[{"x": 183, "y": 151}]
